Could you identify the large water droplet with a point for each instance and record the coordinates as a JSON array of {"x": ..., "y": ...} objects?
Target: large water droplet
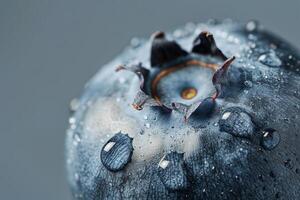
[
  {"x": 172, "y": 172},
  {"x": 270, "y": 139},
  {"x": 237, "y": 123},
  {"x": 117, "y": 152},
  {"x": 270, "y": 59}
]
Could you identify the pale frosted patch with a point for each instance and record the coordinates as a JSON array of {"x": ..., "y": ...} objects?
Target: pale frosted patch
[
  {"x": 146, "y": 146},
  {"x": 106, "y": 118},
  {"x": 191, "y": 143}
]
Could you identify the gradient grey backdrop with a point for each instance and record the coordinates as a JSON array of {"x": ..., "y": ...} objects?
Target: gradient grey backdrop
[{"x": 49, "y": 49}]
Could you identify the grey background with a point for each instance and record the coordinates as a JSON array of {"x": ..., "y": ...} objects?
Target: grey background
[{"x": 49, "y": 49}]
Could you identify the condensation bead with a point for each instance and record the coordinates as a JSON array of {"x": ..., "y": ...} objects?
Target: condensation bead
[
  {"x": 270, "y": 139},
  {"x": 172, "y": 172},
  {"x": 117, "y": 152},
  {"x": 237, "y": 123}
]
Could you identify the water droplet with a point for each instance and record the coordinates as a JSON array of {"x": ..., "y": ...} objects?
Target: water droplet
[
  {"x": 147, "y": 125},
  {"x": 178, "y": 33},
  {"x": 135, "y": 42},
  {"x": 251, "y": 26},
  {"x": 76, "y": 176},
  {"x": 252, "y": 45},
  {"x": 248, "y": 84},
  {"x": 172, "y": 172},
  {"x": 122, "y": 80},
  {"x": 238, "y": 123},
  {"x": 145, "y": 117},
  {"x": 270, "y": 59},
  {"x": 74, "y": 104},
  {"x": 76, "y": 139},
  {"x": 252, "y": 37},
  {"x": 273, "y": 46},
  {"x": 117, "y": 152},
  {"x": 270, "y": 139},
  {"x": 72, "y": 120}
]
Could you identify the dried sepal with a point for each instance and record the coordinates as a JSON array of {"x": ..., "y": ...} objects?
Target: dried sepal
[
  {"x": 138, "y": 69},
  {"x": 163, "y": 50},
  {"x": 202, "y": 108},
  {"x": 142, "y": 99},
  {"x": 219, "y": 76},
  {"x": 133, "y": 68},
  {"x": 205, "y": 44},
  {"x": 186, "y": 110}
]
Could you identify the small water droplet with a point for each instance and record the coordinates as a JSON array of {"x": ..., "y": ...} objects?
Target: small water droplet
[
  {"x": 73, "y": 126},
  {"x": 72, "y": 120},
  {"x": 76, "y": 176},
  {"x": 76, "y": 139},
  {"x": 273, "y": 46},
  {"x": 74, "y": 104},
  {"x": 251, "y": 26},
  {"x": 145, "y": 117},
  {"x": 248, "y": 84},
  {"x": 270, "y": 138},
  {"x": 142, "y": 132},
  {"x": 135, "y": 42},
  {"x": 270, "y": 59},
  {"x": 252, "y": 37},
  {"x": 147, "y": 125},
  {"x": 252, "y": 45},
  {"x": 178, "y": 33},
  {"x": 122, "y": 80}
]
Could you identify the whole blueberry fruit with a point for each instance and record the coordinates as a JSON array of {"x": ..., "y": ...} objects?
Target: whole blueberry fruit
[{"x": 210, "y": 111}]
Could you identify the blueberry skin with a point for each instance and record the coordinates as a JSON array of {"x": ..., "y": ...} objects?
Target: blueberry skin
[{"x": 217, "y": 164}]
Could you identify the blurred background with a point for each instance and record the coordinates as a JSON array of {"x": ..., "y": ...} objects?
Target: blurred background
[{"x": 50, "y": 48}]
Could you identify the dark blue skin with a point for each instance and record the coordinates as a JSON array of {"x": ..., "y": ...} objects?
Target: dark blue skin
[{"x": 236, "y": 139}]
